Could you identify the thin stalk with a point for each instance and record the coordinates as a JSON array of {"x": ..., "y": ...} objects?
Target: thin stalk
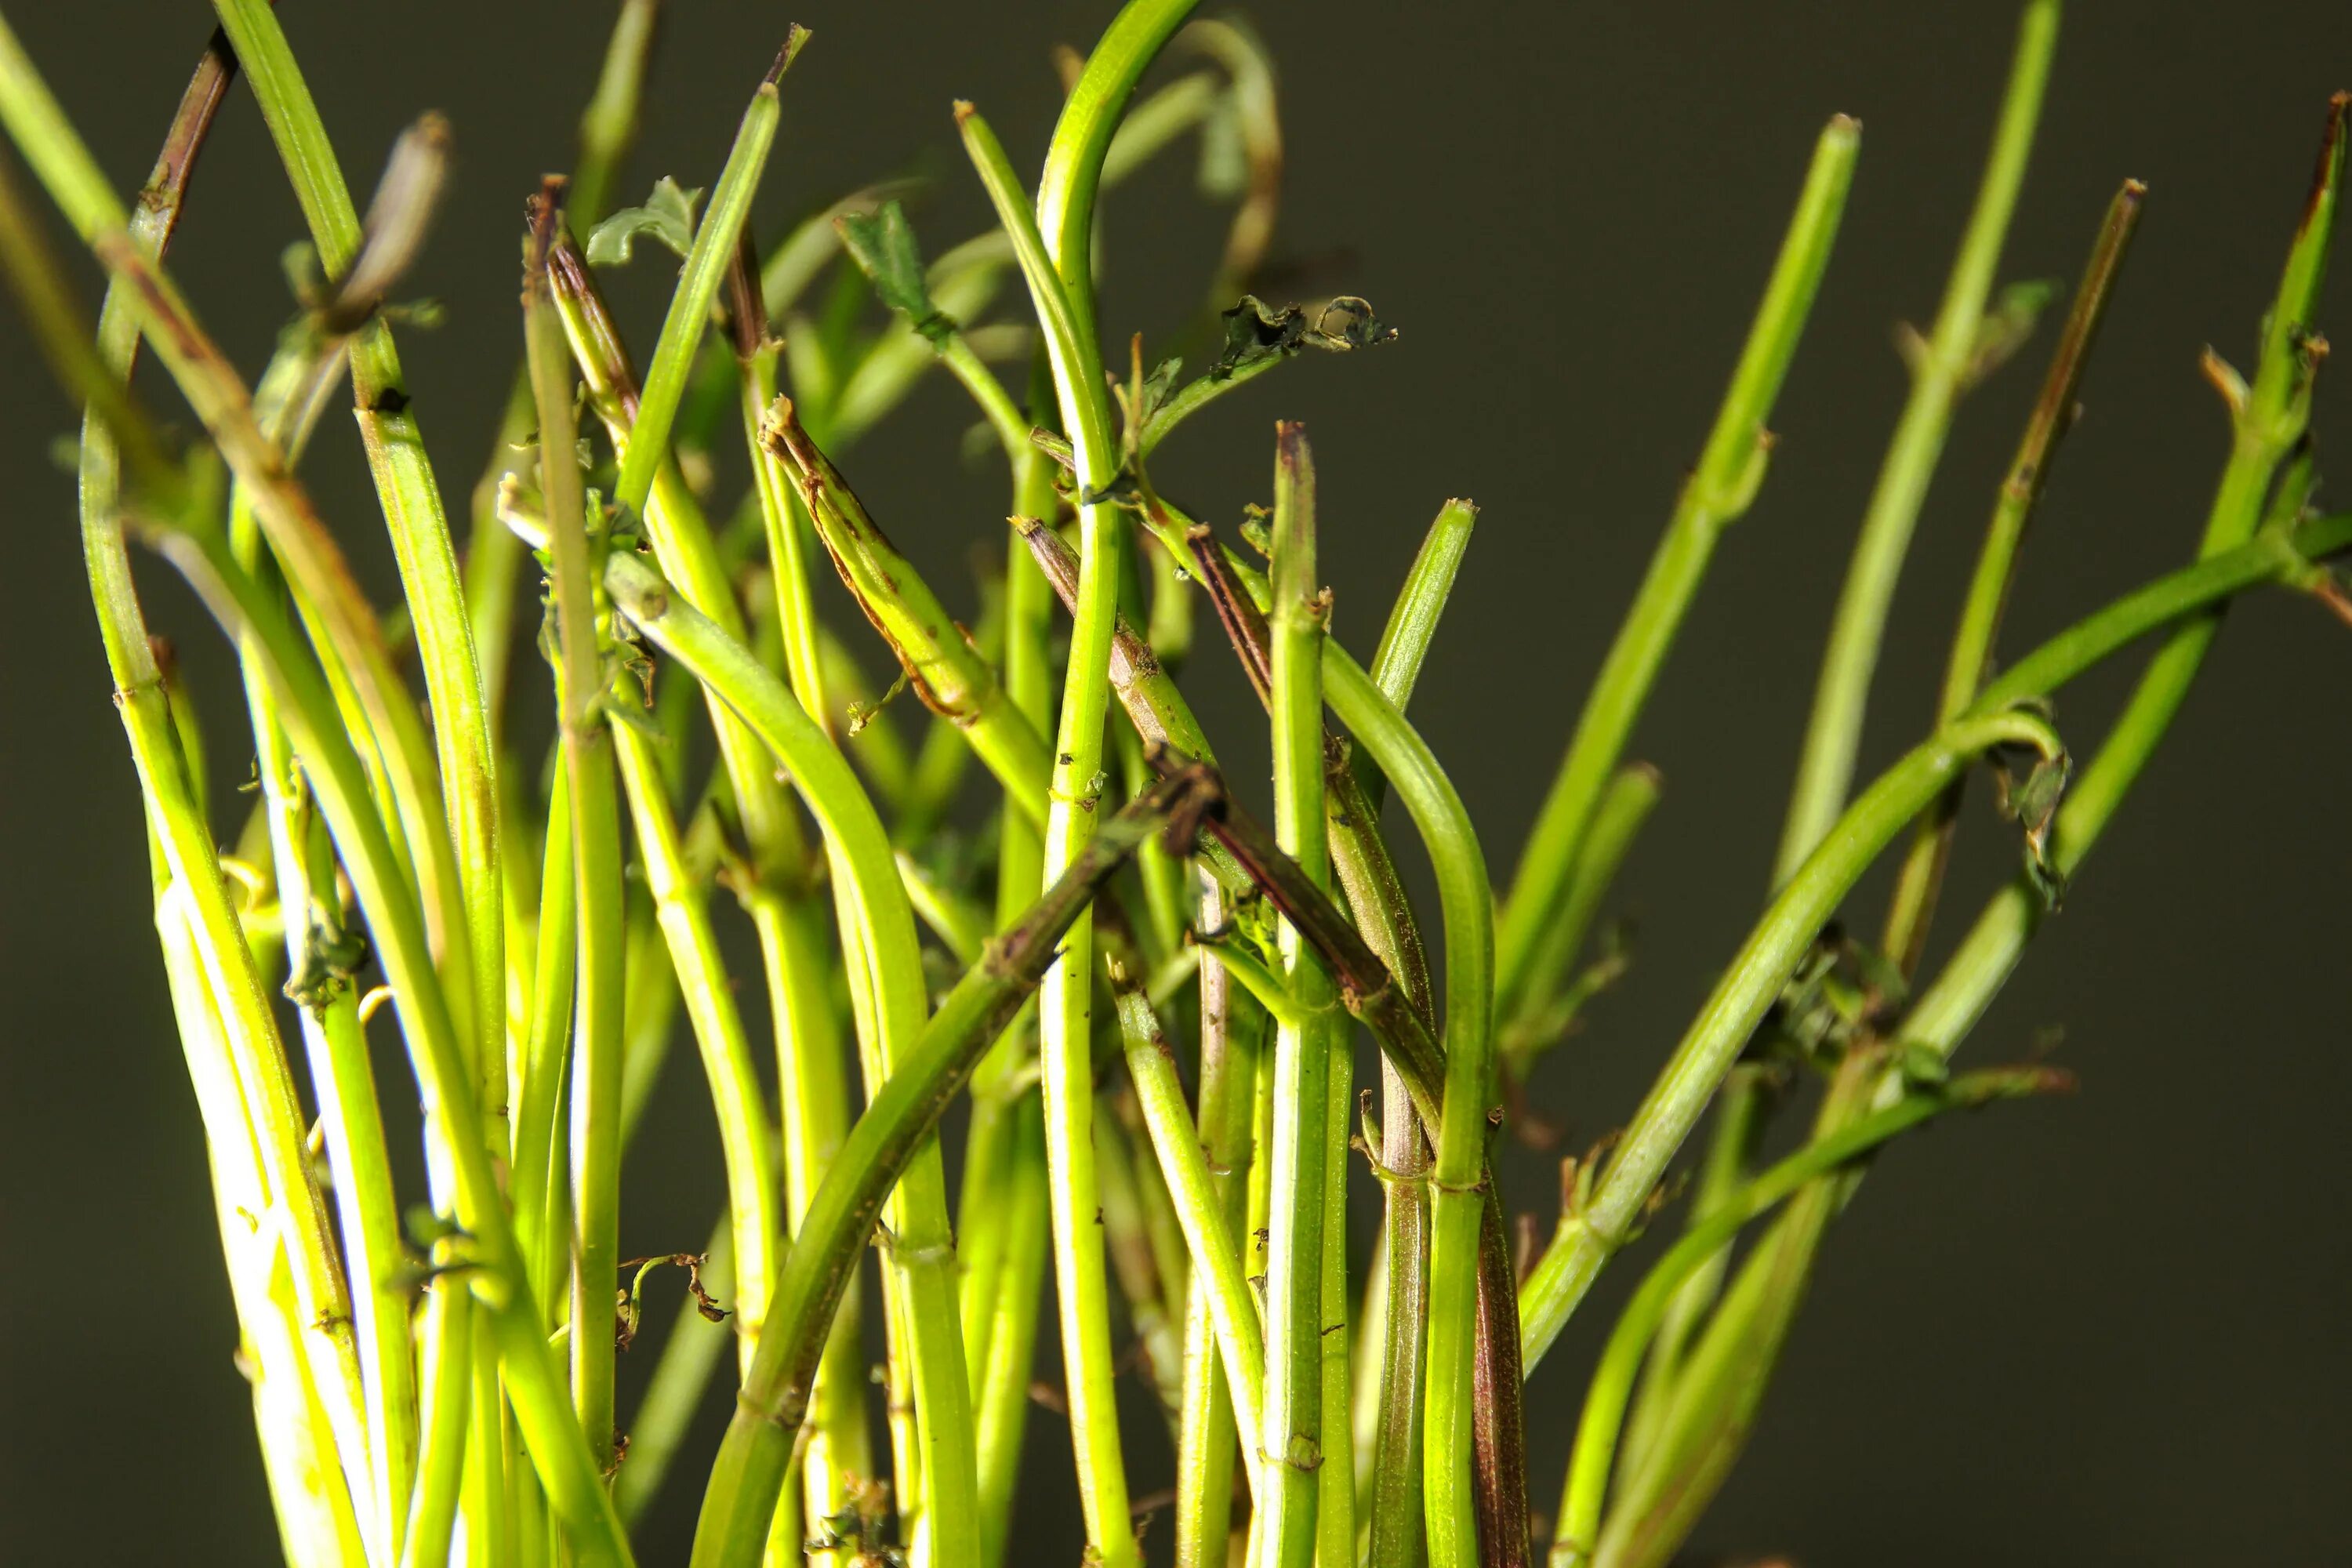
[
  {"x": 1548, "y": 1005},
  {"x": 1003, "y": 1397},
  {"x": 1459, "y": 1174},
  {"x": 1613, "y": 1380},
  {"x": 941, "y": 663},
  {"x": 1290, "y": 1430},
  {"x": 1005, "y": 1149},
  {"x": 706, "y": 263},
  {"x": 330, "y": 597},
  {"x": 897, "y": 1123},
  {"x": 588, "y": 771},
  {"x": 755, "y": 1194},
  {"x": 877, "y": 920},
  {"x": 396, "y": 930},
  {"x": 1144, "y": 1284},
  {"x": 608, "y": 130},
  {"x": 419, "y": 528},
  {"x": 175, "y": 810},
  {"x": 1206, "y": 1438},
  {"x": 447, "y": 1389},
  {"x": 2268, "y": 426},
  {"x": 1066, "y": 1005},
  {"x": 1589, "y": 1237},
  {"x": 1719, "y": 490},
  {"x": 1914, "y": 901},
  {"x": 1200, "y": 1209},
  {"x": 543, "y": 1227},
  {"x": 1942, "y": 367}
]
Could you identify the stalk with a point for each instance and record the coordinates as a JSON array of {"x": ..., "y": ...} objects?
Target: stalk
[
  {"x": 396, "y": 930},
  {"x": 1612, "y": 1381},
  {"x": 344, "y": 1081},
  {"x": 707, "y": 265},
  {"x": 1206, "y": 1437},
  {"x": 343, "y": 623},
  {"x": 898, "y": 1123},
  {"x": 1066, "y": 1005},
  {"x": 608, "y": 129},
  {"x": 202, "y": 949},
  {"x": 941, "y": 663},
  {"x": 1730, "y": 469},
  {"x": 588, "y": 771},
  {"x": 1291, "y": 1423},
  {"x": 1941, "y": 368},
  {"x": 419, "y": 528},
  {"x": 1588, "y": 1236},
  {"x": 1914, "y": 902},
  {"x": 874, "y": 906},
  {"x": 753, "y": 1192},
  {"x": 1200, "y": 1206},
  {"x": 256, "y": 1054}
]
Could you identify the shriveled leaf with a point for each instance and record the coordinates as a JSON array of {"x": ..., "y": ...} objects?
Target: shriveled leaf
[
  {"x": 668, "y": 217},
  {"x": 1256, "y": 331}
]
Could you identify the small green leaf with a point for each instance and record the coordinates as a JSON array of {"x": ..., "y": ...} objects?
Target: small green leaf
[
  {"x": 2008, "y": 324},
  {"x": 668, "y": 217},
  {"x": 883, "y": 245},
  {"x": 1922, "y": 1067}
]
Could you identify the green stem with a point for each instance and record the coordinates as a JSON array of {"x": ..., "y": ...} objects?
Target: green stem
[
  {"x": 898, "y": 1122},
  {"x": 1290, "y": 1431},
  {"x": 1730, "y": 469},
  {"x": 707, "y": 264},
  {"x": 419, "y": 528},
  {"x": 881, "y": 925},
  {"x": 588, "y": 771},
  {"x": 396, "y": 928},
  {"x": 608, "y": 129},
  {"x": 753, "y": 1192},
  {"x": 255, "y": 1051},
  {"x": 1206, "y": 1437},
  {"x": 1200, "y": 1207},
  {"x": 1914, "y": 901},
  {"x": 1613, "y": 1380},
  {"x": 1942, "y": 367},
  {"x": 943, "y": 665},
  {"x": 1065, "y": 1003},
  {"x": 1589, "y": 1238}
]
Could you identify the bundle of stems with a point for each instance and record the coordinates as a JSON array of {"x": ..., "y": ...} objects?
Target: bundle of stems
[{"x": 1139, "y": 1001}]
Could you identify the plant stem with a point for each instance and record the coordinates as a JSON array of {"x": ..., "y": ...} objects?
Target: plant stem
[
  {"x": 1206, "y": 1438},
  {"x": 1290, "y": 1431},
  {"x": 1914, "y": 901},
  {"x": 419, "y": 528},
  {"x": 1587, "y": 1239},
  {"x": 1065, "y": 1006},
  {"x": 1730, "y": 469},
  {"x": 707, "y": 264},
  {"x": 898, "y": 1121},
  {"x": 754, "y": 1191},
  {"x": 588, "y": 771},
  {"x": 1200, "y": 1206},
  {"x": 1612, "y": 1381},
  {"x": 943, "y": 665},
  {"x": 1943, "y": 366}
]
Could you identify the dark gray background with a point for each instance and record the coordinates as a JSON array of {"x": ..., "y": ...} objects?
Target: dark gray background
[{"x": 2107, "y": 1328}]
